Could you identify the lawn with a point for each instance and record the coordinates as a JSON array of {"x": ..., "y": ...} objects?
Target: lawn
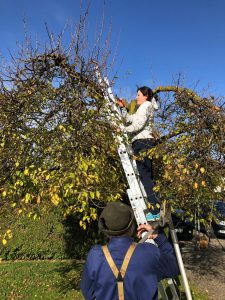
[
  {"x": 196, "y": 294},
  {"x": 40, "y": 280},
  {"x": 48, "y": 280}
]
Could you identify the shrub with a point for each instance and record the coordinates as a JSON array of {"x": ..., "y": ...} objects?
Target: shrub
[{"x": 47, "y": 238}]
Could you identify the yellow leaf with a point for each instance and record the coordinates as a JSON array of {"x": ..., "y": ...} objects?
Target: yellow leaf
[
  {"x": 184, "y": 170},
  {"x": 19, "y": 182},
  {"x": 27, "y": 197},
  {"x": 195, "y": 185},
  {"x": 150, "y": 206},
  {"x": 85, "y": 195},
  {"x": 93, "y": 149},
  {"x": 156, "y": 188},
  {"x": 4, "y": 193},
  {"x": 196, "y": 166},
  {"x": 38, "y": 199},
  {"x": 4, "y": 241},
  {"x": 9, "y": 233},
  {"x": 26, "y": 171},
  {"x": 203, "y": 183},
  {"x": 94, "y": 216},
  {"x": 92, "y": 194},
  {"x": 202, "y": 170},
  {"x": 84, "y": 166},
  {"x": 166, "y": 175},
  {"x": 47, "y": 177},
  {"x": 55, "y": 199}
]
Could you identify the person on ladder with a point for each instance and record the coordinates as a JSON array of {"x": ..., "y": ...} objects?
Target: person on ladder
[
  {"x": 140, "y": 129},
  {"x": 123, "y": 269}
]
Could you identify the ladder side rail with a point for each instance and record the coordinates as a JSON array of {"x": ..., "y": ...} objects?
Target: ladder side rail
[
  {"x": 138, "y": 184},
  {"x": 173, "y": 290},
  {"x": 136, "y": 193},
  {"x": 111, "y": 98},
  {"x": 138, "y": 211},
  {"x": 179, "y": 259},
  {"x": 162, "y": 291},
  {"x": 131, "y": 176}
]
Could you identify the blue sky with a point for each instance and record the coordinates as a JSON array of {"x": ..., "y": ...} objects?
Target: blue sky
[{"x": 154, "y": 40}]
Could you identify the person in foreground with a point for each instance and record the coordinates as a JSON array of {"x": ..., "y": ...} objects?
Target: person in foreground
[{"x": 147, "y": 263}]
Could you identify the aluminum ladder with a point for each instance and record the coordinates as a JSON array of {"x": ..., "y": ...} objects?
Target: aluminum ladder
[{"x": 137, "y": 195}]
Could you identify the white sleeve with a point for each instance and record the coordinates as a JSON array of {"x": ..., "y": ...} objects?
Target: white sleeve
[
  {"x": 140, "y": 118},
  {"x": 130, "y": 118},
  {"x": 126, "y": 115}
]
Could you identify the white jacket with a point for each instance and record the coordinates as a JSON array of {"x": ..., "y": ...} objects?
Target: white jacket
[{"x": 141, "y": 122}]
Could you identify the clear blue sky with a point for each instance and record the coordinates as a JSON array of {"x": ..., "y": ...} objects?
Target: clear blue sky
[{"x": 154, "y": 39}]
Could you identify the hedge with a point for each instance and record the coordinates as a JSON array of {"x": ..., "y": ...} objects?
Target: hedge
[{"x": 48, "y": 238}]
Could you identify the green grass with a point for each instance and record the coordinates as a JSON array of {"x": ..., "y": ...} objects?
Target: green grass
[
  {"x": 51, "y": 280},
  {"x": 196, "y": 294},
  {"x": 40, "y": 280}
]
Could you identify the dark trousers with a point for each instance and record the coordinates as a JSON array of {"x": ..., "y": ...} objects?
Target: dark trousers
[{"x": 145, "y": 169}]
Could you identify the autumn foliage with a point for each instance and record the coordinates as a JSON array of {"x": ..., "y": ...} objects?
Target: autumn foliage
[
  {"x": 58, "y": 148},
  {"x": 190, "y": 150}
]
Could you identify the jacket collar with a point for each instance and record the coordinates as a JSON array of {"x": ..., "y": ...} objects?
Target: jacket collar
[{"x": 121, "y": 240}]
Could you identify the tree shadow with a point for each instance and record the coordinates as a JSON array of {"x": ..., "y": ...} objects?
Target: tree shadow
[
  {"x": 205, "y": 261},
  {"x": 77, "y": 243},
  {"x": 70, "y": 275}
]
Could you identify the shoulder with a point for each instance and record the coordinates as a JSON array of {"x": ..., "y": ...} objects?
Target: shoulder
[
  {"x": 147, "y": 249},
  {"x": 145, "y": 257},
  {"x": 94, "y": 257},
  {"x": 152, "y": 105},
  {"x": 94, "y": 252},
  {"x": 146, "y": 105},
  {"x": 143, "y": 107},
  {"x": 95, "y": 249}
]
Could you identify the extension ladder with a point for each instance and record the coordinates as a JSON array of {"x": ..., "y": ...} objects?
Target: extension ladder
[{"x": 137, "y": 195}]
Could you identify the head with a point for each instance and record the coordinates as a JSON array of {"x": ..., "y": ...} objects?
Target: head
[
  {"x": 116, "y": 219},
  {"x": 144, "y": 93}
]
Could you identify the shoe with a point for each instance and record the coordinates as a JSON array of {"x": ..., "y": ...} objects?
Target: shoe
[{"x": 152, "y": 217}]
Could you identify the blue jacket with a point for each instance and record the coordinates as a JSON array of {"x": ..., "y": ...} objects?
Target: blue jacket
[{"x": 148, "y": 265}]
